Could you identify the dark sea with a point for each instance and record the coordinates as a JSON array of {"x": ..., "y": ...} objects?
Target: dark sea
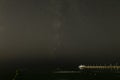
[
  {"x": 75, "y": 75},
  {"x": 30, "y": 72}
]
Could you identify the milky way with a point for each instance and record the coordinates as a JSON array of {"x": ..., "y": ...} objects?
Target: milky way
[{"x": 83, "y": 31}]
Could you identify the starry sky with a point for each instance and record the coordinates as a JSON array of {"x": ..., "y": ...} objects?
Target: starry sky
[{"x": 82, "y": 31}]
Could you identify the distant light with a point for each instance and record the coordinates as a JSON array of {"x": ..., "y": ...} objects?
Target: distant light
[{"x": 81, "y": 67}]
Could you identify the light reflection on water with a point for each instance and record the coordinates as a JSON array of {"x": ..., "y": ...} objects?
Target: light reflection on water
[{"x": 34, "y": 75}]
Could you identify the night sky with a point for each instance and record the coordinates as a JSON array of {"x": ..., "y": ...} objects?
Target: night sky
[{"x": 60, "y": 31}]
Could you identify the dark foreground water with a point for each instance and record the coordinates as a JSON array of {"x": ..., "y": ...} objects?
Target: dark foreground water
[
  {"x": 73, "y": 76},
  {"x": 37, "y": 75}
]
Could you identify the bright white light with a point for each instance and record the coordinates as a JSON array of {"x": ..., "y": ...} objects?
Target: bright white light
[{"x": 81, "y": 66}]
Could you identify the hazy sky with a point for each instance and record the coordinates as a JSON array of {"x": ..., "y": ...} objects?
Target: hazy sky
[{"x": 67, "y": 30}]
